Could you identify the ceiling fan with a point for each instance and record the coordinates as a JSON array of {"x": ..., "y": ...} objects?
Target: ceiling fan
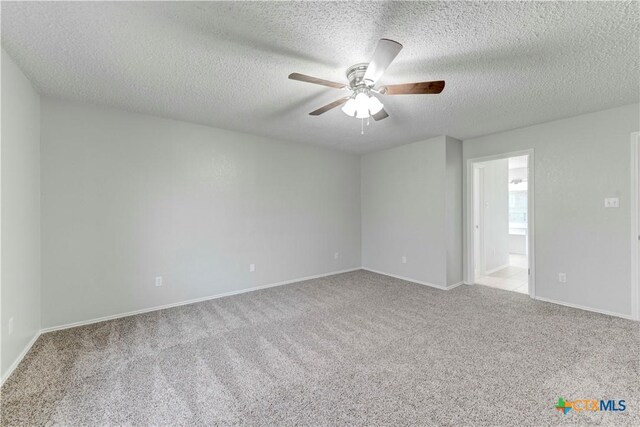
[{"x": 362, "y": 103}]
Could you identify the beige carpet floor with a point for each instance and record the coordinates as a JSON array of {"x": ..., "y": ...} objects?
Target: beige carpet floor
[{"x": 352, "y": 349}]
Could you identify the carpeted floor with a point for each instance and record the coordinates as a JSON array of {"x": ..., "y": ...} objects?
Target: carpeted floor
[{"x": 352, "y": 349}]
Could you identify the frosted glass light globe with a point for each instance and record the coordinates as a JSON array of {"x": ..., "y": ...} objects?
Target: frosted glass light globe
[
  {"x": 375, "y": 105},
  {"x": 349, "y": 108},
  {"x": 362, "y": 102}
]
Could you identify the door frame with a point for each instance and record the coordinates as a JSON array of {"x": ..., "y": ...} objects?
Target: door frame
[
  {"x": 479, "y": 264},
  {"x": 635, "y": 226},
  {"x": 469, "y": 268}
]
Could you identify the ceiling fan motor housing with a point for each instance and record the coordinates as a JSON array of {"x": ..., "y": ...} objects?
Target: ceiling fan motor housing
[{"x": 355, "y": 75}]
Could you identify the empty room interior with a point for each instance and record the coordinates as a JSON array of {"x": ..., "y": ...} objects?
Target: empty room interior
[{"x": 320, "y": 213}]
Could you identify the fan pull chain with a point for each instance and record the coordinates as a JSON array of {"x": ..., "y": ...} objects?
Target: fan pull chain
[
  {"x": 368, "y": 118},
  {"x": 362, "y": 127}
]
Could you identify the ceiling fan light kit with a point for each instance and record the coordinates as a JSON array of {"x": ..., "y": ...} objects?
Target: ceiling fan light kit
[{"x": 362, "y": 103}]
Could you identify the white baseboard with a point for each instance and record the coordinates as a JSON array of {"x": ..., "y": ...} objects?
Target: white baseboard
[
  {"x": 455, "y": 285},
  {"x": 408, "y": 279},
  {"x": 21, "y": 356},
  {"x": 24, "y": 352},
  {"x": 595, "y": 310},
  {"x": 190, "y": 301},
  {"x": 582, "y": 307}
]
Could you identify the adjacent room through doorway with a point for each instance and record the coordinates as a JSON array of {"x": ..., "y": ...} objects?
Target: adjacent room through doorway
[{"x": 501, "y": 229}]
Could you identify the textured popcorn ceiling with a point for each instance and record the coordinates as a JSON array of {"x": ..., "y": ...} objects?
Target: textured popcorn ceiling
[{"x": 506, "y": 65}]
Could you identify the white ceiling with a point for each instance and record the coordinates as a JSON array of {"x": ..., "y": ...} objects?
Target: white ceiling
[{"x": 506, "y": 65}]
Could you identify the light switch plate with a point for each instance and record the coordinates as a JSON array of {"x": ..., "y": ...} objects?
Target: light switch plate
[{"x": 612, "y": 202}]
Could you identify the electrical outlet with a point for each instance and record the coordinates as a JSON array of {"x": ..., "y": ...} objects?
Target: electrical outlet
[
  {"x": 10, "y": 326},
  {"x": 562, "y": 277},
  {"x": 404, "y": 259},
  {"x": 336, "y": 255},
  {"x": 159, "y": 281},
  {"x": 252, "y": 268}
]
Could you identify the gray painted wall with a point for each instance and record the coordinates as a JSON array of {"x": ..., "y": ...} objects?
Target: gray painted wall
[
  {"x": 403, "y": 211},
  {"x": 409, "y": 198},
  {"x": 128, "y": 197},
  {"x": 578, "y": 162},
  {"x": 20, "y": 230},
  {"x": 453, "y": 210}
]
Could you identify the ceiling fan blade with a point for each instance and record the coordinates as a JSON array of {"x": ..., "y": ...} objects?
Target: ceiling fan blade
[
  {"x": 315, "y": 80},
  {"x": 385, "y": 53},
  {"x": 328, "y": 107},
  {"x": 380, "y": 115},
  {"x": 413, "y": 88}
]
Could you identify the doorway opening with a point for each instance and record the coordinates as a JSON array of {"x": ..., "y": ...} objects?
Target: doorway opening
[
  {"x": 635, "y": 225},
  {"x": 501, "y": 223}
]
